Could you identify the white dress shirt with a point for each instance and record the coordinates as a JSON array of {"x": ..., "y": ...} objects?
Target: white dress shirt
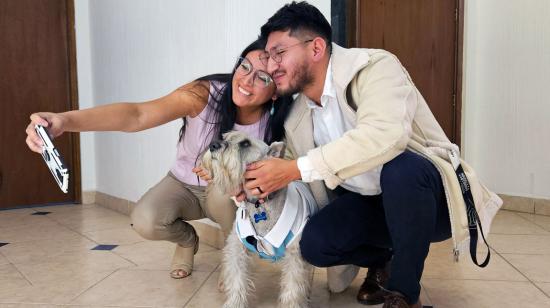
[{"x": 330, "y": 123}]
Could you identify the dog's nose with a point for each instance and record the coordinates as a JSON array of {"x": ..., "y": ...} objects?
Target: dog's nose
[{"x": 215, "y": 145}]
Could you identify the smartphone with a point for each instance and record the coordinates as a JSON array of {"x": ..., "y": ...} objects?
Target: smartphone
[{"x": 53, "y": 159}]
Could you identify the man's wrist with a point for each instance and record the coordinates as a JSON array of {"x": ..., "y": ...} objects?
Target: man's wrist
[{"x": 296, "y": 174}]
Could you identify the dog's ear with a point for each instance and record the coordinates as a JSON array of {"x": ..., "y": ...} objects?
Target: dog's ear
[{"x": 276, "y": 149}]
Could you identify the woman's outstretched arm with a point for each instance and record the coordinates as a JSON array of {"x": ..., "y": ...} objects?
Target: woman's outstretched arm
[{"x": 188, "y": 100}]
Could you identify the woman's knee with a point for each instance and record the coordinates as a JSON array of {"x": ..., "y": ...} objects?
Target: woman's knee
[
  {"x": 144, "y": 220},
  {"x": 221, "y": 209}
]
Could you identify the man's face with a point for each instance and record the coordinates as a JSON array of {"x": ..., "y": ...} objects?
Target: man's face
[{"x": 293, "y": 73}]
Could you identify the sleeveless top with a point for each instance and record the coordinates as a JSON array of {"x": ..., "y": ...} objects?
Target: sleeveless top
[{"x": 198, "y": 135}]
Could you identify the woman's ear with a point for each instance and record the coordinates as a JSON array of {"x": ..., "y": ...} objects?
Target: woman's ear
[{"x": 274, "y": 97}]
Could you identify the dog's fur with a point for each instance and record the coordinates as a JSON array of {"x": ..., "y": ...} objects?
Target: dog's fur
[{"x": 226, "y": 162}]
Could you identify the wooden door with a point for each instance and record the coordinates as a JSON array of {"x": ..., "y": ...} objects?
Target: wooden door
[
  {"x": 37, "y": 73},
  {"x": 426, "y": 36}
]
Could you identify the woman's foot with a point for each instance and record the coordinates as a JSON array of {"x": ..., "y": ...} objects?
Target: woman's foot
[{"x": 182, "y": 261}]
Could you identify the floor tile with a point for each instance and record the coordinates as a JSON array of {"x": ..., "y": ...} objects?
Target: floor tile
[
  {"x": 11, "y": 278},
  {"x": 157, "y": 255},
  {"x": 104, "y": 247},
  {"x": 59, "y": 293},
  {"x": 48, "y": 263},
  {"x": 86, "y": 223},
  {"x": 83, "y": 266},
  {"x": 478, "y": 293},
  {"x": 22, "y": 218},
  {"x": 120, "y": 236},
  {"x": 507, "y": 222},
  {"x": 440, "y": 264},
  {"x": 3, "y": 259},
  {"x": 322, "y": 297},
  {"x": 535, "y": 267},
  {"x": 208, "y": 295},
  {"x": 41, "y": 231},
  {"x": 42, "y": 250},
  {"x": 41, "y": 213},
  {"x": 520, "y": 244},
  {"x": 540, "y": 220},
  {"x": 142, "y": 288},
  {"x": 545, "y": 287}
]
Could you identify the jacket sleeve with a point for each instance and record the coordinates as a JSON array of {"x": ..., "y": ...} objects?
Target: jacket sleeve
[{"x": 386, "y": 100}]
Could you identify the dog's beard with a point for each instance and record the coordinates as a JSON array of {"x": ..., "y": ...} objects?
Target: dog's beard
[{"x": 227, "y": 175}]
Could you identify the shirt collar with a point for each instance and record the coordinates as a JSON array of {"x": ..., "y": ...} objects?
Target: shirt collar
[{"x": 328, "y": 90}]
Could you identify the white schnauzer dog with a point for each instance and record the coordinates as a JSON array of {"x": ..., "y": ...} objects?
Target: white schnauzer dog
[{"x": 271, "y": 229}]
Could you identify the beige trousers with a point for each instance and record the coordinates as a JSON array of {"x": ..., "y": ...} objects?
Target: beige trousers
[{"x": 161, "y": 213}]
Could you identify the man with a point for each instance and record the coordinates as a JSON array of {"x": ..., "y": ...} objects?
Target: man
[{"x": 360, "y": 125}]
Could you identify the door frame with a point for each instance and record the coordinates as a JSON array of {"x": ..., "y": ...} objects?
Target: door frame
[
  {"x": 73, "y": 80},
  {"x": 344, "y": 20}
]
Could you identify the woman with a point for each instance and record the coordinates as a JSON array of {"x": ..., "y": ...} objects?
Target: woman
[{"x": 210, "y": 106}]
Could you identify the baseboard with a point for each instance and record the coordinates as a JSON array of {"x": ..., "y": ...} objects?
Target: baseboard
[
  {"x": 88, "y": 197},
  {"x": 526, "y": 205},
  {"x": 209, "y": 232}
]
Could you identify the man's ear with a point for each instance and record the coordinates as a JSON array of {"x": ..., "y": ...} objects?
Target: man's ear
[
  {"x": 277, "y": 149},
  {"x": 319, "y": 48}
]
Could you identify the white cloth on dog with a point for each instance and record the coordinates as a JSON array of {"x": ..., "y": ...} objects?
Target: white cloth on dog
[{"x": 299, "y": 206}]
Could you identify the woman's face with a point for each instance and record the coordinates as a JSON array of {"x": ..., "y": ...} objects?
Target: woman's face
[{"x": 252, "y": 85}]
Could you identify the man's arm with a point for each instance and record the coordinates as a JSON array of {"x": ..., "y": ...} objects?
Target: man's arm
[{"x": 386, "y": 102}]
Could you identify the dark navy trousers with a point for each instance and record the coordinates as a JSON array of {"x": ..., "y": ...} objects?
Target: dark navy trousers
[{"x": 399, "y": 224}]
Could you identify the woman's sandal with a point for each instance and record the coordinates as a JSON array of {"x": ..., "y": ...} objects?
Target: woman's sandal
[{"x": 182, "y": 262}]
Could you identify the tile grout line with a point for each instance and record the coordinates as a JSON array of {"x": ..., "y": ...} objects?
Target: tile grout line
[
  {"x": 116, "y": 254},
  {"x": 22, "y": 274},
  {"x": 524, "y": 275},
  {"x": 93, "y": 285},
  {"x": 200, "y": 287},
  {"x": 533, "y": 222}
]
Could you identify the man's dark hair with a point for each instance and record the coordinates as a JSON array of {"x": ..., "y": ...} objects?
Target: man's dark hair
[{"x": 300, "y": 18}]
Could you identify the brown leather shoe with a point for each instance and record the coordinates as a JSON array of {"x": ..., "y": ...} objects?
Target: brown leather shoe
[
  {"x": 371, "y": 291},
  {"x": 397, "y": 300}
]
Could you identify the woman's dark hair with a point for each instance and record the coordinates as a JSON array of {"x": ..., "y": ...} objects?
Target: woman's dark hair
[
  {"x": 225, "y": 111},
  {"x": 300, "y": 18}
]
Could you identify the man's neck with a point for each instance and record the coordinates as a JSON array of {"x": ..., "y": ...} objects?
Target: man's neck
[{"x": 315, "y": 88}]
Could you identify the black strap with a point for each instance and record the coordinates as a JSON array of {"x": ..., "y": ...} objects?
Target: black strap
[{"x": 473, "y": 218}]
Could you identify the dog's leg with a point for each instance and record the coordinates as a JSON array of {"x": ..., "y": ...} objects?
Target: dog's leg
[
  {"x": 296, "y": 278},
  {"x": 237, "y": 282}
]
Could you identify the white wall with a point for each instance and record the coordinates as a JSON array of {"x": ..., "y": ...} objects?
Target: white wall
[
  {"x": 141, "y": 50},
  {"x": 85, "y": 91},
  {"x": 506, "y": 112}
]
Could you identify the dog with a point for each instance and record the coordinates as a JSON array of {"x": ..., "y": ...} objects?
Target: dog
[{"x": 271, "y": 229}]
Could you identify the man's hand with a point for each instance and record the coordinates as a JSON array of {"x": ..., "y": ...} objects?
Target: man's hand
[{"x": 266, "y": 176}]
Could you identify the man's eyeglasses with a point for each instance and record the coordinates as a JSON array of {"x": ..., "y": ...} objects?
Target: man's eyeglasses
[
  {"x": 277, "y": 54},
  {"x": 260, "y": 78}
]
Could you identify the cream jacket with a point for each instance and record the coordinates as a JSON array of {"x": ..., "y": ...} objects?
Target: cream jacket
[{"x": 391, "y": 116}]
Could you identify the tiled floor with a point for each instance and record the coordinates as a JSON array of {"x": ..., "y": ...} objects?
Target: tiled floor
[{"x": 49, "y": 261}]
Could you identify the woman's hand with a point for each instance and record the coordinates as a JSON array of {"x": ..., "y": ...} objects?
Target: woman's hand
[
  {"x": 202, "y": 173},
  {"x": 52, "y": 122}
]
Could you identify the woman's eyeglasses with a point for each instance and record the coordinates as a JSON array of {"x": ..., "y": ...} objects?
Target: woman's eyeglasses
[
  {"x": 260, "y": 78},
  {"x": 277, "y": 54}
]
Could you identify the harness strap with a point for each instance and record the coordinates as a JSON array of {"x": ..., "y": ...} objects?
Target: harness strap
[{"x": 471, "y": 212}]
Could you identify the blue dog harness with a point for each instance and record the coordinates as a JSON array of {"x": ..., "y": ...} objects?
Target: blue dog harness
[{"x": 299, "y": 206}]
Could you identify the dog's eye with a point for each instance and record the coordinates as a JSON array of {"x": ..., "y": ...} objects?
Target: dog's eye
[{"x": 245, "y": 143}]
